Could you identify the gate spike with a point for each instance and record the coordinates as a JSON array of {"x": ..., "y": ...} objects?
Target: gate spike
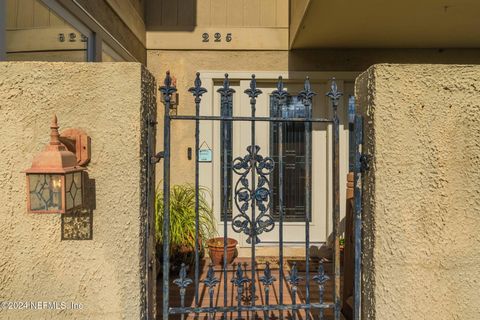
[
  {"x": 293, "y": 276},
  {"x": 280, "y": 93},
  {"x": 306, "y": 94},
  {"x": 334, "y": 94},
  {"x": 253, "y": 92},
  {"x": 182, "y": 282},
  {"x": 197, "y": 90},
  {"x": 167, "y": 90},
  {"x": 267, "y": 279},
  {"x": 226, "y": 91},
  {"x": 211, "y": 281}
]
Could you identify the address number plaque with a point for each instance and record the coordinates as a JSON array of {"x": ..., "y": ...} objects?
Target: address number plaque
[{"x": 217, "y": 37}]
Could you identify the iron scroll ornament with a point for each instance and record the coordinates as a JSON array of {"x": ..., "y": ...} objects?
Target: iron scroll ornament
[{"x": 261, "y": 196}]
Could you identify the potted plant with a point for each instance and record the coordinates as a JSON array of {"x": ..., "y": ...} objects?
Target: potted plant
[
  {"x": 341, "y": 243},
  {"x": 182, "y": 224},
  {"x": 342, "y": 249},
  {"x": 216, "y": 250}
]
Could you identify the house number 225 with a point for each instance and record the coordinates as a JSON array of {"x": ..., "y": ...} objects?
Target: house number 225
[{"x": 217, "y": 37}]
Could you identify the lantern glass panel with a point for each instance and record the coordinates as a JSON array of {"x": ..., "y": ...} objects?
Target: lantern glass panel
[
  {"x": 45, "y": 192},
  {"x": 68, "y": 195},
  {"x": 73, "y": 188}
]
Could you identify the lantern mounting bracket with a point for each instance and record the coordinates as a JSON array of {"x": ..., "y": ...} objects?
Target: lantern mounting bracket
[{"x": 79, "y": 143}]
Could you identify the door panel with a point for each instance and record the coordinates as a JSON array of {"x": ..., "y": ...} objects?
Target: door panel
[{"x": 211, "y": 173}]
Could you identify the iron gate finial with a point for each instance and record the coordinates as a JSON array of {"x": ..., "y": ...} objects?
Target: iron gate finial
[
  {"x": 197, "y": 90},
  {"x": 280, "y": 93},
  {"x": 226, "y": 91},
  {"x": 253, "y": 92},
  {"x": 334, "y": 94},
  {"x": 306, "y": 94},
  {"x": 167, "y": 89}
]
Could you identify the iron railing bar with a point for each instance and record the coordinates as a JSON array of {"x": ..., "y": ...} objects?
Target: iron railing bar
[
  {"x": 285, "y": 307},
  {"x": 226, "y": 93},
  {"x": 197, "y": 190},
  {"x": 167, "y": 91},
  {"x": 306, "y": 95},
  {"x": 280, "y": 95},
  {"x": 253, "y": 93},
  {"x": 225, "y": 216},
  {"x": 358, "y": 129},
  {"x": 335, "y": 95},
  {"x": 307, "y": 212},
  {"x": 280, "y": 209},
  {"x": 150, "y": 204},
  {"x": 248, "y": 119}
]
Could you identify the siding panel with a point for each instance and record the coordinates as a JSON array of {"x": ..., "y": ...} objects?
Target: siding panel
[
  {"x": 219, "y": 13},
  {"x": 25, "y": 16},
  {"x": 41, "y": 15},
  {"x": 251, "y": 13},
  {"x": 169, "y": 13},
  {"x": 282, "y": 14},
  {"x": 11, "y": 22},
  {"x": 186, "y": 12},
  {"x": 268, "y": 13},
  {"x": 203, "y": 13},
  {"x": 235, "y": 13}
]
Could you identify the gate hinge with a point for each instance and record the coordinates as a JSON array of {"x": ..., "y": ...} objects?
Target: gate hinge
[
  {"x": 365, "y": 160},
  {"x": 156, "y": 158}
]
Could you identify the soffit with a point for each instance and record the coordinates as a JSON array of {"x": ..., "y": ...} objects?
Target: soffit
[{"x": 385, "y": 23}]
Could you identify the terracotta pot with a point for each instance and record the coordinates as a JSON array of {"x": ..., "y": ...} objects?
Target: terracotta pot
[{"x": 215, "y": 249}]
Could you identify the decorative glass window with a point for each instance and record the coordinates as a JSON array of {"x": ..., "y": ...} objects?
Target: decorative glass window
[
  {"x": 294, "y": 156},
  {"x": 228, "y": 143},
  {"x": 45, "y": 192},
  {"x": 73, "y": 187}
]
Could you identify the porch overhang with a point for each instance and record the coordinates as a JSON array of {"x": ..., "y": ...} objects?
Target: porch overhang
[{"x": 384, "y": 24}]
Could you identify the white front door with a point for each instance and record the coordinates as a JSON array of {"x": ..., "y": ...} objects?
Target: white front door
[{"x": 294, "y": 136}]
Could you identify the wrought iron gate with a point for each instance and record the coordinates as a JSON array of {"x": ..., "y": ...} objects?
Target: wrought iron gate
[{"x": 252, "y": 198}]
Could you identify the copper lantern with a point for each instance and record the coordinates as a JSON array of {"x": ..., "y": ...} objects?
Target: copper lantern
[{"x": 55, "y": 182}]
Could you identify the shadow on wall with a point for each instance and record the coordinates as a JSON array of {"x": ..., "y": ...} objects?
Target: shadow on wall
[
  {"x": 171, "y": 15},
  {"x": 79, "y": 225},
  {"x": 343, "y": 59}
]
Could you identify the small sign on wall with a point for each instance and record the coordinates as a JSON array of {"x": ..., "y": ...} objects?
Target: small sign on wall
[{"x": 204, "y": 153}]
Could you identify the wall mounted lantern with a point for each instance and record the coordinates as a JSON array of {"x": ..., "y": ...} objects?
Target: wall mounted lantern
[{"x": 55, "y": 181}]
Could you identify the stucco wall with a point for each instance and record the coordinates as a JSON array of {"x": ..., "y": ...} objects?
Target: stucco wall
[
  {"x": 421, "y": 239},
  {"x": 104, "y": 273}
]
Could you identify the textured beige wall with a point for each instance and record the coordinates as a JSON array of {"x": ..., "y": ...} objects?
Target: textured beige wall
[
  {"x": 103, "y": 274},
  {"x": 422, "y": 222}
]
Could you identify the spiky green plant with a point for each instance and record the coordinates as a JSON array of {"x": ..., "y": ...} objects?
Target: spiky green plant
[{"x": 182, "y": 217}]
